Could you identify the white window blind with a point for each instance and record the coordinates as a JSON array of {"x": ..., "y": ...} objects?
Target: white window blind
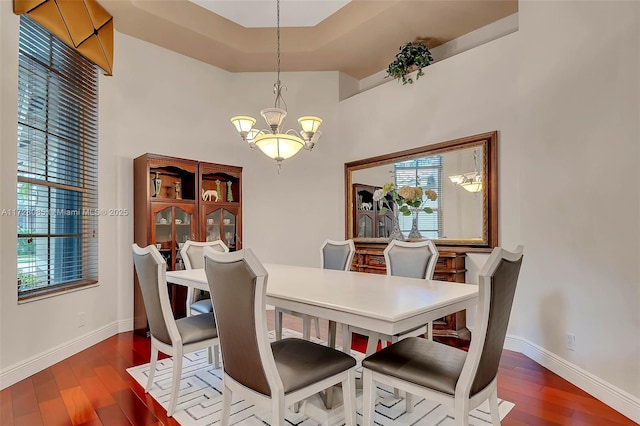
[
  {"x": 57, "y": 164},
  {"x": 426, "y": 173}
]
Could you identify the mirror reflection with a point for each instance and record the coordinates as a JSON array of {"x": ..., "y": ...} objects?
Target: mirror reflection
[{"x": 456, "y": 175}]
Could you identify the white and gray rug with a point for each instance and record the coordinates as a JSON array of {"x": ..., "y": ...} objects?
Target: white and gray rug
[{"x": 200, "y": 400}]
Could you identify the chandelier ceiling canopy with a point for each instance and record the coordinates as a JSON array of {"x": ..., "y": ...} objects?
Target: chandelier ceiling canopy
[{"x": 275, "y": 142}]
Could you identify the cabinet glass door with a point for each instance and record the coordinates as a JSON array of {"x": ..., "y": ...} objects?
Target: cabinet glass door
[
  {"x": 365, "y": 227},
  {"x": 384, "y": 226},
  {"x": 183, "y": 221},
  {"x": 229, "y": 228},
  {"x": 221, "y": 224},
  {"x": 163, "y": 220},
  {"x": 213, "y": 225}
]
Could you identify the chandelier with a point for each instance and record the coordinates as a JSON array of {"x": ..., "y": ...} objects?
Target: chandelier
[{"x": 274, "y": 141}]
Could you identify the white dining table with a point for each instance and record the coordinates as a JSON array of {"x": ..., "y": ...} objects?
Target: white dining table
[{"x": 379, "y": 303}]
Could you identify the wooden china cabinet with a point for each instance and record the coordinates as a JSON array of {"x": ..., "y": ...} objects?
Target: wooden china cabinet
[
  {"x": 368, "y": 221},
  {"x": 170, "y": 207},
  {"x": 451, "y": 329}
]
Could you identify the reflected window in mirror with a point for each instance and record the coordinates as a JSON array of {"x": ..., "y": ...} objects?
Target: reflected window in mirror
[{"x": 425, "y": 173}]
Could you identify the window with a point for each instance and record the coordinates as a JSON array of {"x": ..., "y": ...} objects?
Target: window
[
  {"x": 57, "y": 165},
  {"x": 426, "y": 173}
]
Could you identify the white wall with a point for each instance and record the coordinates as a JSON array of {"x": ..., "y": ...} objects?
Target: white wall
[
  {"x": 565, "y": 102},
  {"x": 579, "y": 98},
  {"x": 562, "y": 92}
]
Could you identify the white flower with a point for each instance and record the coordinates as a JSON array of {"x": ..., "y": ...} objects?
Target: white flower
[{"x": 378, "y": 194}]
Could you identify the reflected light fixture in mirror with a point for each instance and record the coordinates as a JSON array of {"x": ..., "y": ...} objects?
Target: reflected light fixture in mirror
[
  {"x": 274, "y": 142},
  {"x": 472, "y": 181}
]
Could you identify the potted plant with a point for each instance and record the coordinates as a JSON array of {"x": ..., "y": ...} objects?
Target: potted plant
[{"x": 412, "y": 56}]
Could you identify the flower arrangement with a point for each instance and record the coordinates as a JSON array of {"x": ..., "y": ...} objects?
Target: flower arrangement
[{"x": 408, "y": 198}]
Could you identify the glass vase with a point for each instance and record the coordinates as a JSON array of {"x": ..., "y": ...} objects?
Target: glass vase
[
  {"x": 396, "y": 234},
  {"x": 414, "y": 234}
]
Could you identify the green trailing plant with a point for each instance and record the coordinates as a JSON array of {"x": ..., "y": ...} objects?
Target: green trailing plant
[{"x": 412, "y": 56}]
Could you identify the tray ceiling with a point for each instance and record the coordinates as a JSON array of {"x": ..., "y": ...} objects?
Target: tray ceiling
[{"x": 359, "y": 37}]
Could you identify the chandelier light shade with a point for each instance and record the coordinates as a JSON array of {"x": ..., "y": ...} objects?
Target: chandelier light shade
[
  {"x": 472, "y": 182},
  {"x": 275, "y": 142},
  {"x": 279, "y": 146}
]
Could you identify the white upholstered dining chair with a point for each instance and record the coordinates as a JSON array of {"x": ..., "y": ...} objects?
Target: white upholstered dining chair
[
  {"x": 168, "y": 335},
  {"x": 334, "y": 254},
  {"x": 198, "y": 301},
  {"x": 280, "y": 373},
  {"x": 412, "y": 259},
  {"x": 448, "y": 375}
]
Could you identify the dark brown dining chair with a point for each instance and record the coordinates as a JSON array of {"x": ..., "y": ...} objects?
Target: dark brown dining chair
[
  {"x": 168, "y": 335},
  {"x": 280, "y": 373},
  {"x": 445, "y": 374}
]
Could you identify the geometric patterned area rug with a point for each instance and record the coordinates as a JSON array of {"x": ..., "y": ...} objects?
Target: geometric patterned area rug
[{"x": 200, "y": 400}]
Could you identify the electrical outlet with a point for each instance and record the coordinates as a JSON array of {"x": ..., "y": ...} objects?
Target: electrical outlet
[
  {"x": 82, "y": 318},
  {"x": 571, "y": 342}
]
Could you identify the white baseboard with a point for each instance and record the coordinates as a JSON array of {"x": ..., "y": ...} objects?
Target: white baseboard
[
  {"x": 30, "y": 366},
  {"x": 616, "y": 398}
]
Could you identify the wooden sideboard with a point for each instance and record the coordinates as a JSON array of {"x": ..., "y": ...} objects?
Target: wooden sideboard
[{"x": 451, "y": 329}]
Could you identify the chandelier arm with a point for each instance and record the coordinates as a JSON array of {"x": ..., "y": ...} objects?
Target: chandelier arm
[{"x": 294, "y": 133}]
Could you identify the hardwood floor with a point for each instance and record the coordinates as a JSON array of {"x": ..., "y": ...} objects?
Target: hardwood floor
[{"x": 93, "y": 388}]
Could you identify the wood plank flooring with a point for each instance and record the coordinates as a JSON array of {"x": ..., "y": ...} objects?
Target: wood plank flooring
[{"x": 93, "y": 388}]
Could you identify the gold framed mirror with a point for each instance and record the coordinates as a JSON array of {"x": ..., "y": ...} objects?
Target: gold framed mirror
[{"x": 464, "y": 174}]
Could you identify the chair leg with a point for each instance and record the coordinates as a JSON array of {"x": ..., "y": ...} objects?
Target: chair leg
[
  {"x": 277, "y": 411},
  {"x": 317, "y": 321},
  {"x": 368, "y": 397},
  {"x": 175, "y": 383},
  {"x": 278, "y": 314},
  {"x": 227, "y": 395},
  {"x": 429, "y": 330},
  {"x": 372, "y": 343},
  {"x": 349, "y": 398},
  {"x": 493, "y": 407},
  {"x": 216, "y": 356},
  {"x": 408, "y": 400},
  {"x": 152, "y": 369},
  {"x": 461, "y": 412}
]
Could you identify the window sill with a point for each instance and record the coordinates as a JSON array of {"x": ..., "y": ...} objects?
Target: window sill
[{"x": 47, "y": 293}]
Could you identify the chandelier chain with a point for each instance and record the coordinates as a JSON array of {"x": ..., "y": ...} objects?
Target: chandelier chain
[{"x": 277, "y": 86}]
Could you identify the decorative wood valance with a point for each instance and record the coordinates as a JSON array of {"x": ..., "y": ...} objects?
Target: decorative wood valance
[{"x": 82, "y": 24}]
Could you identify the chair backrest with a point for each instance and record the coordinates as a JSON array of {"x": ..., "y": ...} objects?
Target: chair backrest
[
  {"x": 497, "y": 287},
  {"x": 237, "y": 283},
  {"x": 413, "y": 259},
  {"x": 191, "y": 252},
  {"x": 151, "y": 269},
  {"x": 337, "y": 254}
]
